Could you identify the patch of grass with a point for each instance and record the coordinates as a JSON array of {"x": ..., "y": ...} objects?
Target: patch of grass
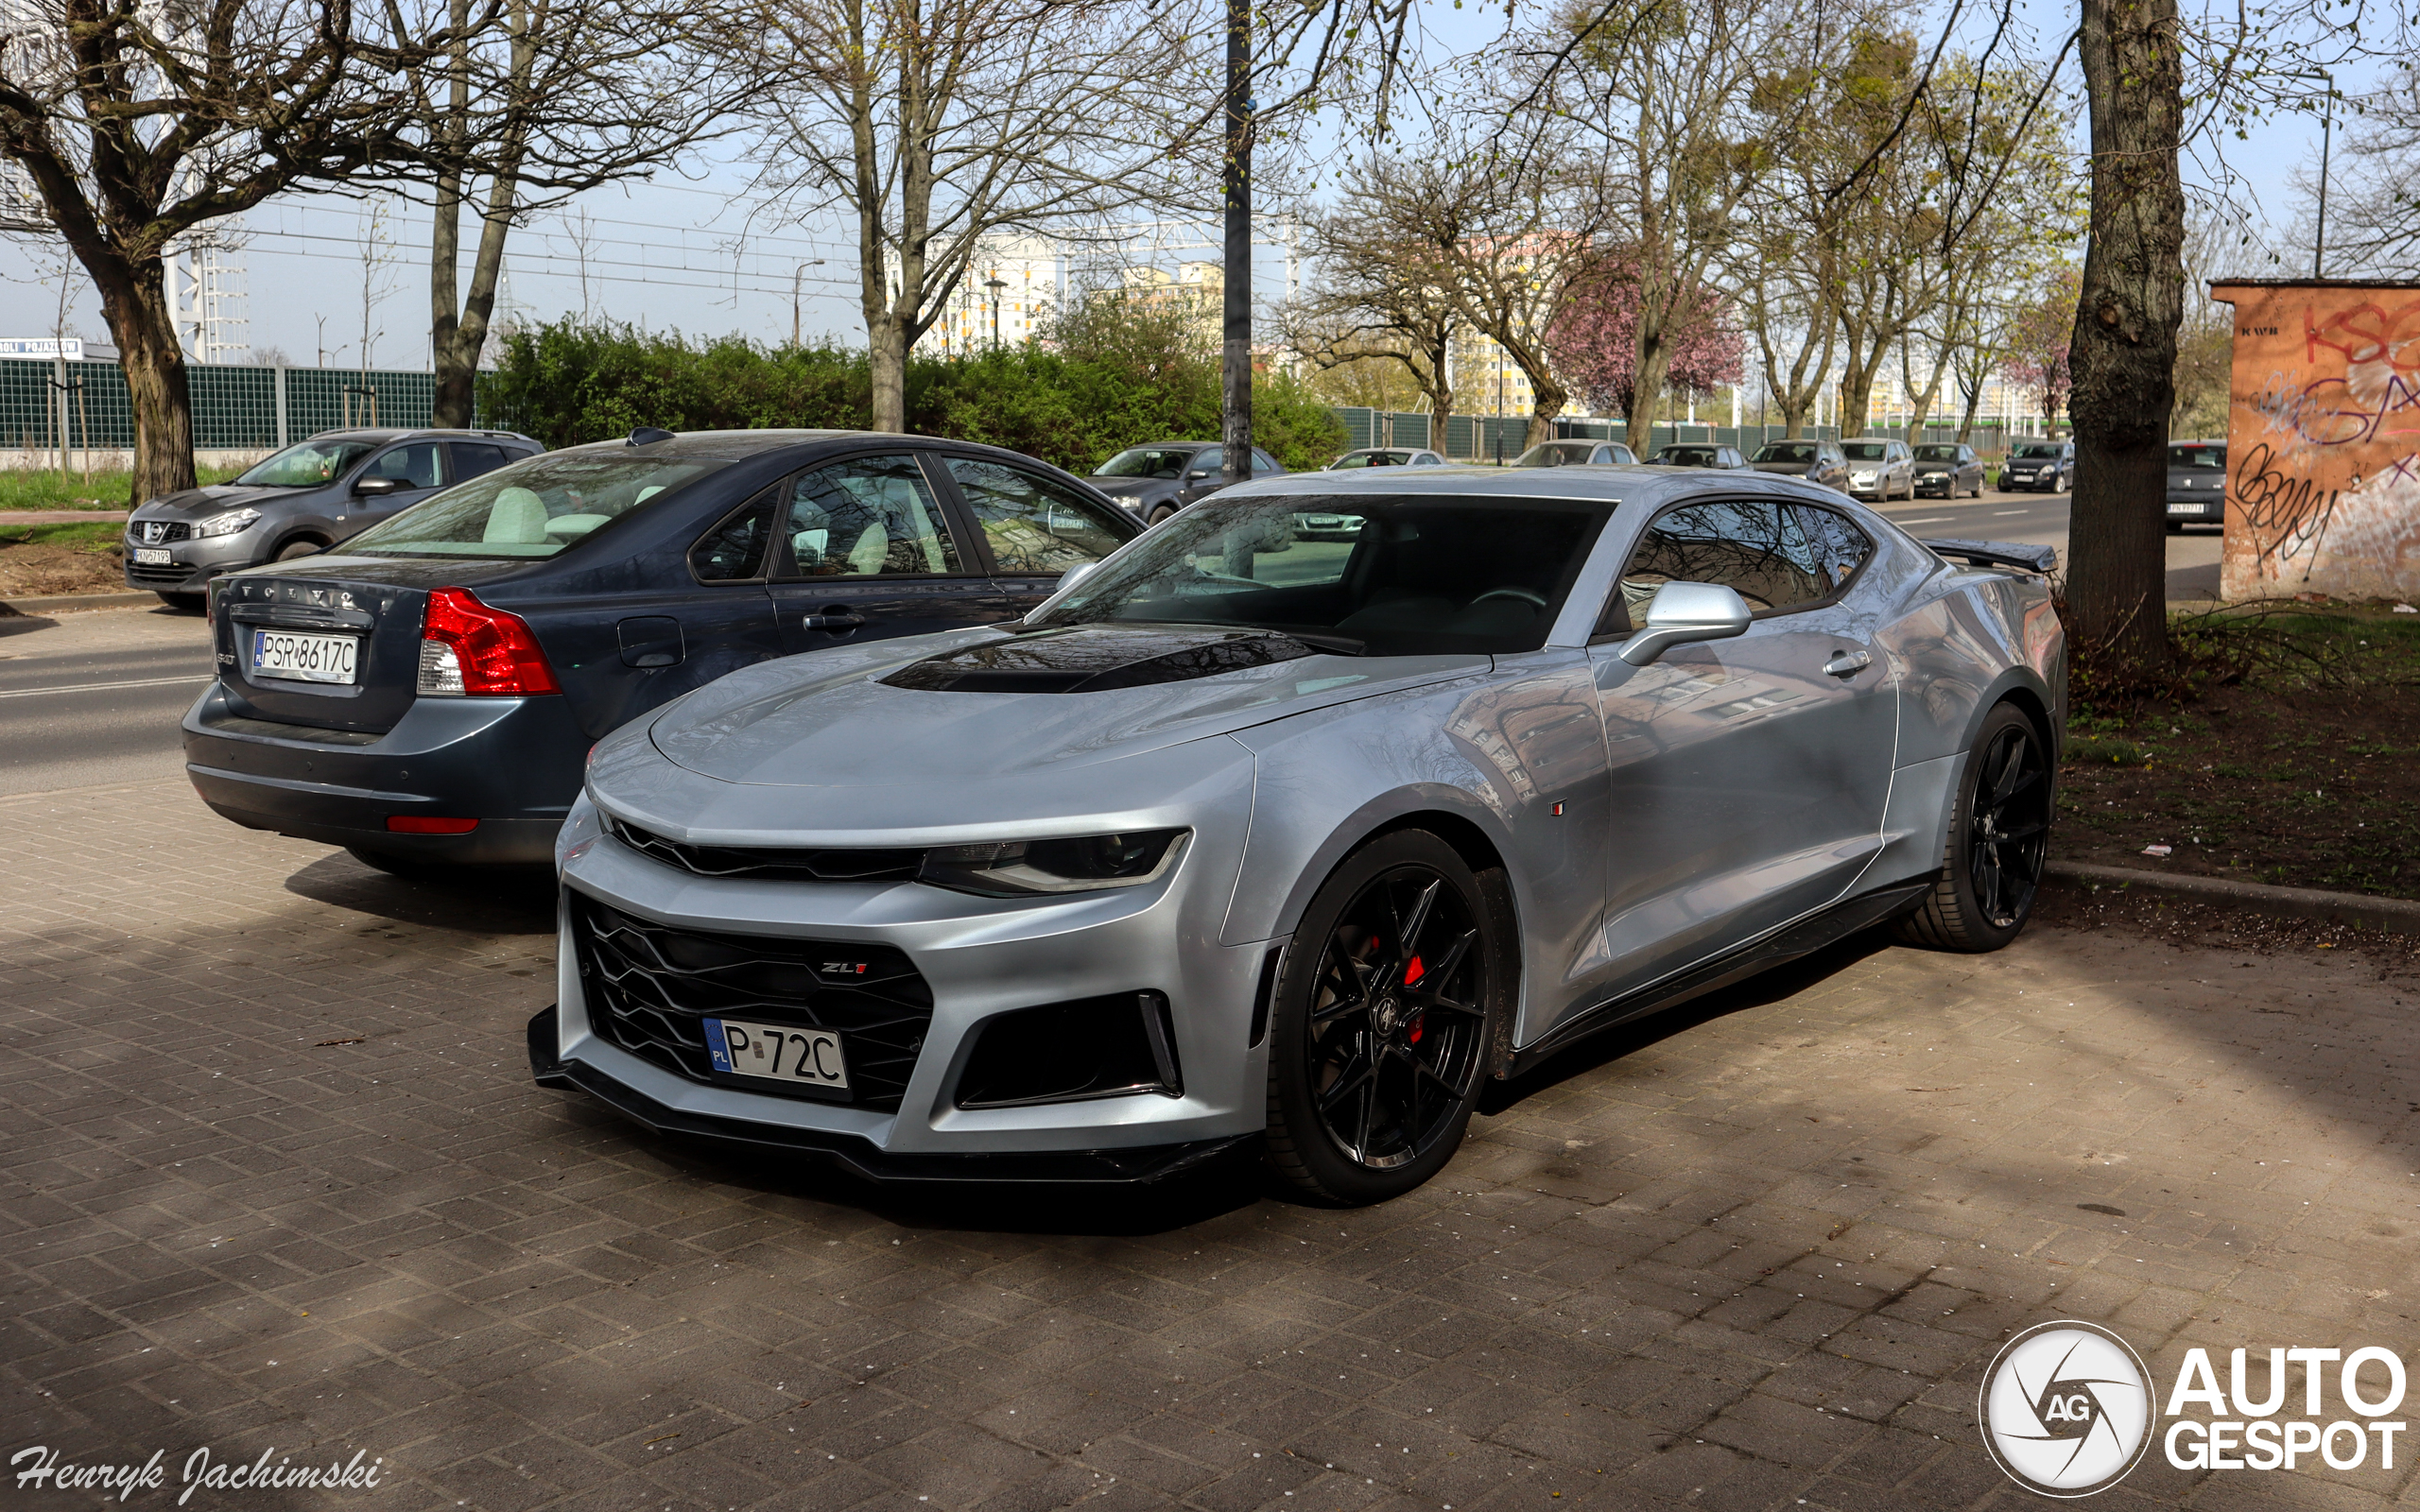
[
  {"x": 52, "y": 490},
  {"x": 98, "y": 536}
]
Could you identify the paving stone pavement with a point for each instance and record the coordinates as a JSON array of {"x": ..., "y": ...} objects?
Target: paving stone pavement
[{"x": 275, "y": 1179}]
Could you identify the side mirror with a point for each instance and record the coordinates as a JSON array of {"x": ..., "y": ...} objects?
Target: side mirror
[
  {"x": 1196, "y": 474},
  {"x": 374, "y": 487},
  {"x": 1681, "y": 612}
]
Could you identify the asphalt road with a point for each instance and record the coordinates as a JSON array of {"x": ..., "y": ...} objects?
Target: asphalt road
[{"x": 95, "y": 698}]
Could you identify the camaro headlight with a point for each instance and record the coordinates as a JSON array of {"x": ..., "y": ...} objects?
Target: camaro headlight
[
  {"x": 228, "y": 523},
  {"x": 1020, "y": 869}
]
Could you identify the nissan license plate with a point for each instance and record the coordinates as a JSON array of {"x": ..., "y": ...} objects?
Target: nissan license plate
[
  {"x": 152, "y": 557},
  {"x": 803, "y": 1058},
  {"x": 305, "y": 657}
]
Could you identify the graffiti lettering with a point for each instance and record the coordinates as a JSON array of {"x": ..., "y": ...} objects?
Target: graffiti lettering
[
  {"x": 2287, "y": 516},
  {"x": 2367, "y": 333},
  {"x": 2330, "y": 415}
]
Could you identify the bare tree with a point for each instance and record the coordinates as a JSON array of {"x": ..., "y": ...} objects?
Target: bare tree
[
  {"x": 554, "y": 97},
  {"x": 940, "y": 124},
  {"x": 2374, "y": 212},
  {"x": 134, "y": 125},
  {"x": 1387, "y": 269},
  {"x": 1657, "y": 99}
]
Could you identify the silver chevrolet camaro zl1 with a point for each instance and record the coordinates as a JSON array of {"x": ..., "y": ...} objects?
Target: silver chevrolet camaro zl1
[{"x": 1256, "y": 831}]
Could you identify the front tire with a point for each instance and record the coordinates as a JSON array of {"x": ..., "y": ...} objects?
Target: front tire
[
  {"x": 1999, "y": 835},
  {"x": 1386, "y": 1020},
  {"x": 1163, "y": 512}
]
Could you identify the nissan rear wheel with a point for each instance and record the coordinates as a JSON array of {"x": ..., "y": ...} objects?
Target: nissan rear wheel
[
  {"x": 2000, "y": 836},
  {"x": 1385, "y": 1022}
]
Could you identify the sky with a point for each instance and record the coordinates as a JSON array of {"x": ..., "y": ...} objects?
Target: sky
[{"x": 328, "y": 279}]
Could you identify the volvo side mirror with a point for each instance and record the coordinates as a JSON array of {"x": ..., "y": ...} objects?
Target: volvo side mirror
[{"x": 1682, "y": 613}]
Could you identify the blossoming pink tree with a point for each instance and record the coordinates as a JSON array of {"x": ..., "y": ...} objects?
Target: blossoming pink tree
[{"x": 1594, "y": 339}]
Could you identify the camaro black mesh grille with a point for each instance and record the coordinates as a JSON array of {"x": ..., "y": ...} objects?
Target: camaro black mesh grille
[
  {"x": 828, "y": 865},
  {"x": 648, "y": 986}
]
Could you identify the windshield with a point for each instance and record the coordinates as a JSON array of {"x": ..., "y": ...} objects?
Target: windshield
[
  {"x": 306, "y": 465},
  {"x": 532, "y": 508},
  {"x": 1786, "y": 451},
  {"x": 1145, "y": 462},
  {"x": 2213, "y": 458},
  {"x": 1862, "y": 451},
  {"x": 1411, "y": 576},
  {"x": 1555, "y": 453},
  {"x": 2036, "y": 449},
  {"x": 1936, "y": 454}
]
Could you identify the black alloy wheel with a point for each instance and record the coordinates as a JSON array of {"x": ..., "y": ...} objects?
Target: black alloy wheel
[
  {"x": 1386, "y": 1018},
  {"x": 1999, "y": 838}
]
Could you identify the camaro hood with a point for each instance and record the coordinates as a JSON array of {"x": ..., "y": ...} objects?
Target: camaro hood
[
  {"x": 200, "y": 503},
  {"x": 835, "y": 718}
]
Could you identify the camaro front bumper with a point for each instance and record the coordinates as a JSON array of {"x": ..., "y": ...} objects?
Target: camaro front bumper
[{"x": 963, "y": 977}]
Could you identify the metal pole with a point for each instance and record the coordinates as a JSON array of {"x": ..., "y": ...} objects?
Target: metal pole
[
  {"x": 2326, "y": 125},
  {"x": 281, "y": 442},
  {"x": 58, "y": 409},
  {"x": 1235, "y": 399}
]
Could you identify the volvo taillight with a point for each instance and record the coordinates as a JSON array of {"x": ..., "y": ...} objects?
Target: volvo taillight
[{"x": 468, "y": 648}]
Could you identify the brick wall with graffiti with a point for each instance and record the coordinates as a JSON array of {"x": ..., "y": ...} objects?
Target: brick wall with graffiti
[{"x": 2323, "y": 441}]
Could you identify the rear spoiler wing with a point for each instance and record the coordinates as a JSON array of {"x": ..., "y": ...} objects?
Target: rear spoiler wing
[{"x": 1997, "y": 554}]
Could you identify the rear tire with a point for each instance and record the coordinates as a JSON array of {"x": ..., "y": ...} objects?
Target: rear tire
[
  {"x": 186, "y": 603},
  {"x": 1386, "y": 1020},
  {"x": 2000, "y": 833}
]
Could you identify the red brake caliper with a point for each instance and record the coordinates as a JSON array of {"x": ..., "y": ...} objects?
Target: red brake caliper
[{"x": 1411, "y": 974}]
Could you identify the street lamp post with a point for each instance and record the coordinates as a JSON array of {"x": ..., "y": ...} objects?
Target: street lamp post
[
  {"x": 794, "y": 283},
  {"x": 995, "y": 284}
]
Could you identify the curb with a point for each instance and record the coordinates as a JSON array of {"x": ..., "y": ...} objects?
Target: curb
[
  {"x": 2394, "y": 914},
  {"x": 121, "y": 598}
]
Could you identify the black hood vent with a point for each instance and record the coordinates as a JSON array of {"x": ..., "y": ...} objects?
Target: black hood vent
[{"x": 1096, "y": 658}]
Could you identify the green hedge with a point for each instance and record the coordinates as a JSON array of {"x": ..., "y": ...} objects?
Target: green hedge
[{"x": 568, "y": 382}]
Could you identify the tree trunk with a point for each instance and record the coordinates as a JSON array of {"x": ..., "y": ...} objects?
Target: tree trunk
[
  {"x": 1967, "y": 421},
  {"x": 1856, "y": 399},
  {"x": 886, "y": 354},
  {"x": 2123, "y": 355},
  {"x": 1654, "y": 360},
  {"x": 1545, "y": 403},
  {"x": 134, "y": 299}
]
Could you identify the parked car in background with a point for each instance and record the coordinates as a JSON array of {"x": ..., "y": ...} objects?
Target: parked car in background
[
  {"x": 1949, "y": 469},
  {"x": 1388, "y": 456},
  {"x": 2197, "y": 484},
  {"x": 428, "y": 694},
  {"x": 1879, "y": 470},
  {"x": 2046, "y": 467},
  {"x": 1154, "y": 481},
  {"x": 1224, "y": 845},
  {"x": 1572, "y": 454},
  {"x": 1815, "y": 461},
  {"x": 301, "y": 500},
  {"x": 1700, "y": 453}
]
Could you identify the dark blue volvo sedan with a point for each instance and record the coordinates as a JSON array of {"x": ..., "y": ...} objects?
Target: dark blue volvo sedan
[{"x": 428, "y": 696}]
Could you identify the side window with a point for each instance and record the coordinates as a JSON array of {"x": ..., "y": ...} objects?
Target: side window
[
  {"x": 413, "y": 465},
  {"x": 1739, "y": 543},
  {"x": 1210, "y": 461},
  {"x": 866, "y": 517},
  {"x": 729, "y": 553},
  {"x": 1262, "y": 462},
  {"x": 1828, "y": 543},
  {"x": 471, "y": 458},
  {"x": 1031, "y": 523}
]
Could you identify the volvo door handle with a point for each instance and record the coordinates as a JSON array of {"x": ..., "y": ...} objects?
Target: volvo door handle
[
  {"x": 834, "y": 617},
  {"x": 1847, "y": 663}
]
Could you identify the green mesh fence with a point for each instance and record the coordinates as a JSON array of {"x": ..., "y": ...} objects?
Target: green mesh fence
[{"x": 235, "y": 408}]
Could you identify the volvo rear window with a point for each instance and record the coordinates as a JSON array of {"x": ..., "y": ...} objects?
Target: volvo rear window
[{"x": 532, "y": 508}]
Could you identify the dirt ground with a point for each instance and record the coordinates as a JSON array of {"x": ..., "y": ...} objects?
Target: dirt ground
[
  {"x": 2304, "y": 782},
  {"x": 31, "y": 569}
]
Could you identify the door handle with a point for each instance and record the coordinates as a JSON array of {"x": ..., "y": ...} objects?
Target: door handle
[
  {"x": 834, "y": 617},
  {"x": 1847, "y": 663}
]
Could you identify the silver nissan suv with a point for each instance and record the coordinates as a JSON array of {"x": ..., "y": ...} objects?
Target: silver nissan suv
[{"x": 299, "y": 501}]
